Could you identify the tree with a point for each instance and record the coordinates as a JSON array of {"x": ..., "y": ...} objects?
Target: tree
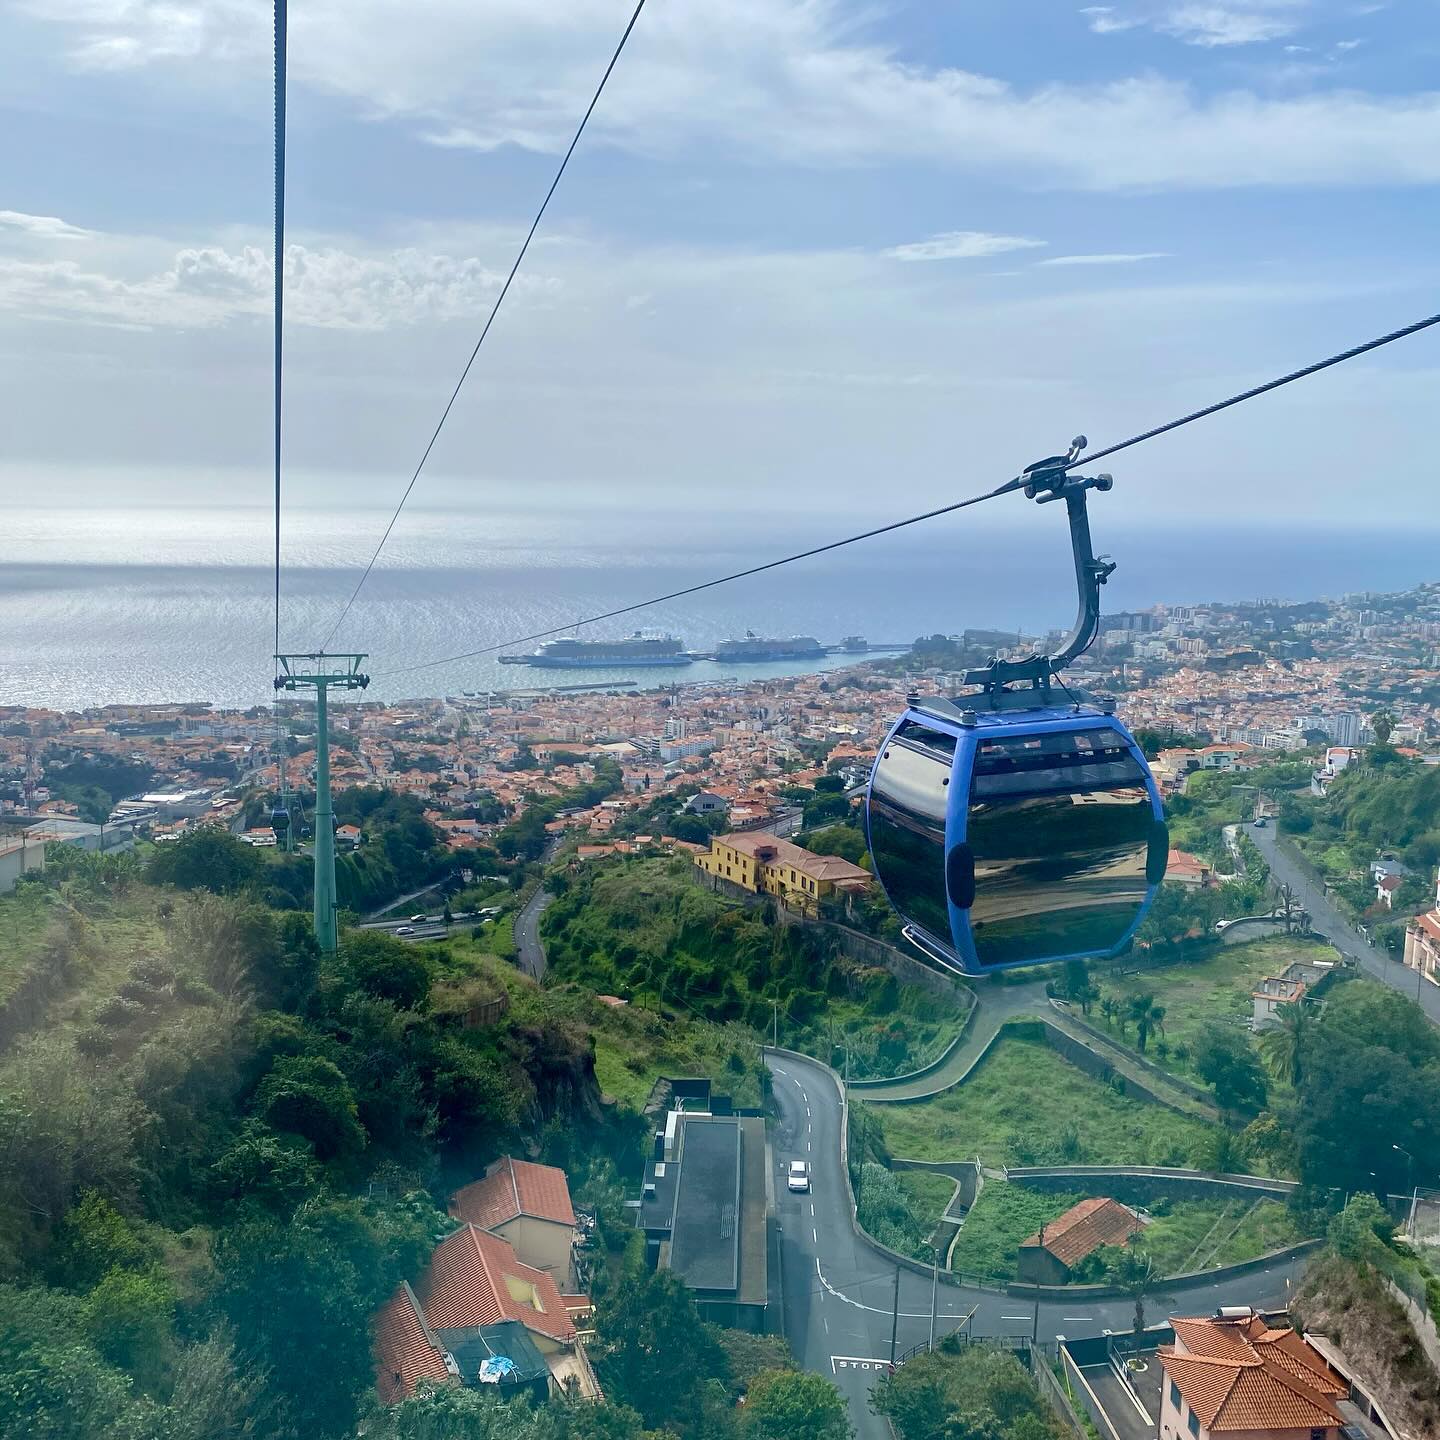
[
  {"x": 1224, "y": 1061},
  {"x": 388, "y": 968},
  {"x": 1382, "y": 722},
  {"x": 1147, "y": 1015},
  {"x": 1077, "y": 987},
  {"x": 1362, "y": 1229},
  {"x": 796, "y": 1405},
  {"x": 1283, "y": 1044},
  {"x": 300, "y": 1295},
  {"x": 53, "y": 1383},
  {"x": 450, "y": 1412},
  {"x": 654, "y": 1353},
  {"x": 977, "y": 1393},
  {"x": 1132, "y": 1270},
  {"x": 207, "y": 859},
  {"x": 310, "y": 1097}
]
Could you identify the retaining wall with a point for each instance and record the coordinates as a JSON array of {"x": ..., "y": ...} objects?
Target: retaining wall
[
  {"x": 1138, "y": 1184},
  {"x": 1134, "y": 1057},
  {"x": 1043, "y": 1292},
  {"x": 1421, "y": 1321}
]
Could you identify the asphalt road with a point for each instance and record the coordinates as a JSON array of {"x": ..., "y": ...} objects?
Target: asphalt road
[
  {"x": 530, "y": 953},
  {"x": 1327, "y": 919},
  {"x": 838, "y": 1287}
]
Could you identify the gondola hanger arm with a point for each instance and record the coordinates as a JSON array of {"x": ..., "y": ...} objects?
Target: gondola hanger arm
[{"x": 1044, "y": 481}]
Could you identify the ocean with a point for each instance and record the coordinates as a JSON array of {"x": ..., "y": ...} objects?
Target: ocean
[{"x": 145, "y": 605}]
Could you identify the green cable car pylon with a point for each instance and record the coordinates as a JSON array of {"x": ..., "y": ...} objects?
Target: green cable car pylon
[{"x": 322, "y": 673}]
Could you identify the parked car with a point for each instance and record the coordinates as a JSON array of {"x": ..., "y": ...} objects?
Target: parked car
[{"x": 799, "y": 1177}]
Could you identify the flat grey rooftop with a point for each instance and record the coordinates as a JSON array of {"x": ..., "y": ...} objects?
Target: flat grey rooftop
[{"x": 705, "y": 1241}]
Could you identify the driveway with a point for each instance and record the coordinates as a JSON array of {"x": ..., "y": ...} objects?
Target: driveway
[{"x": 1327, "y": 918}]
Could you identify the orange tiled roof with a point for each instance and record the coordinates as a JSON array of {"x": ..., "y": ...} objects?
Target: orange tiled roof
[
  {"x": 514, "y": 1187},
  {"x": 405, "y": 1352},
  {"x": 469, "y": 1283},
  {"x": 1242, "y": 1375},
  {"x": 1086, "y": 1227}
]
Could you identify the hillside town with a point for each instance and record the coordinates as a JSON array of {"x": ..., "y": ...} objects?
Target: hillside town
[{"x": 1246, "y": 681}]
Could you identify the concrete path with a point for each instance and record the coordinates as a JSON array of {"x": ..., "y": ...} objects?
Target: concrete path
[{"x": 995, "y": 1004}]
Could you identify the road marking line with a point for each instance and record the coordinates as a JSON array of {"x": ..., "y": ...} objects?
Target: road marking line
[
  {"x": 1077, "y": 1317},
  {"x": 825, "y": 1322},
  {"x": 1016, "y": 1317},
  {"x": 807, "y": 1143},
  {"x": 812, "y": 1209},
  {"x": 814, "y": 1235}
]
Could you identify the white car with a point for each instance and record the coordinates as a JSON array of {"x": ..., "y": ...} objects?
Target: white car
[
  {"x": 798, "y": 1177},
  {"x": 404, "y": 929}
]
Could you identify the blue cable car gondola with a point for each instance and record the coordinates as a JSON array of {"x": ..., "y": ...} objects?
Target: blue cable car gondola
[{"x": 1011, "y": 827}]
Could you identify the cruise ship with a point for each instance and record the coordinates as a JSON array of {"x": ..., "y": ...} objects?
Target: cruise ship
[
  {"x": 759, "y": 647},
  {"x": 644, "y": 647}
]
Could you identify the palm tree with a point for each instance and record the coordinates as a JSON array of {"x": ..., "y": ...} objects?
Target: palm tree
[
  {"x": 1283, "y": 1045},
  {"x": 1109, "y": 1008},
  {"x": 1134, "y": 1272},
  {"x": 1148, "y": 1017},
  {"x": 1382, "y": 722}
]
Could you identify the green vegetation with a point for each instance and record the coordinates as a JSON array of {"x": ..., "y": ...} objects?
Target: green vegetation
[
  {"x": 1024, "y": 1105},
  {"x": 97, "y": 783},
  {"x": 199, "y": 1113},
  {"x": 1002, "y": 1216},
  {"x": 1202, "y": 993},
  {"x": 888, "y": 1211},
  {"x": 641, "y": 929},
  {"x": 1370, "y": 1081},
  {"x": 1182, "y": 1234},
  {"x": 963, "y": 1393},
  {"x": 1345, "y": 1297}
]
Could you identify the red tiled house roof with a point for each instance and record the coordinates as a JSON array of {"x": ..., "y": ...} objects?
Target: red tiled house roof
[
  {"x": 1085, "y": 1228},
  {"x": 1244, "y": 1376},
  {"x": 475, "y": 1279},
  {"x": 405, "y": 1352},
  {"x": 514, "y": 1187}
]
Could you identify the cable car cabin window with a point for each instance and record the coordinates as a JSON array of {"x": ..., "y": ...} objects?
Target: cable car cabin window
[
  {"x": 907, "y": 824},
  {"x": 1059, "y": 826}
]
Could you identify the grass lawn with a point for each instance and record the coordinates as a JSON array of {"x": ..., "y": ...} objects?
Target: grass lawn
[
  {"x": 1024, "y": 1105},
  {"x": 1190, "y": 1234},
  {"x": 1215, "y": 990},
  {"x": 999, "y": 1220},
  {"x": 57, "y": 963},
  {"x": 929, "y": 1195}
]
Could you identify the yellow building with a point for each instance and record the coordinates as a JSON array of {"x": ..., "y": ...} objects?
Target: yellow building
[{"x": 765, "y": 865}]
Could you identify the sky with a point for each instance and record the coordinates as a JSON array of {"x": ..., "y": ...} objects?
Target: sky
[{"x": 813, "y": 257}]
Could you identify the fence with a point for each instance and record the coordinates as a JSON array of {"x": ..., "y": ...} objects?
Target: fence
[{"x": 1054, "y": 1393}]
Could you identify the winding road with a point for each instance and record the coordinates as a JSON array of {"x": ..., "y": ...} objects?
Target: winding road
[
  {"x": 1325, "y": 915},
  {"x": 837, "y": 1287}
]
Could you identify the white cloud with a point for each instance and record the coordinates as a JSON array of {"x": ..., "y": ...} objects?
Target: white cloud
[
  {"x": 207, "y": 286},
  {"x": 1212, "y": 26},
  {"x": 1106, "y": 20},
  {"x": 961, "y": 245},
  {"x": 779, "y": 82},
  {"x": 1105, "y": 259},
  {"x": 46, "y": 227},
  {"x": 1343, "y": 45}
]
